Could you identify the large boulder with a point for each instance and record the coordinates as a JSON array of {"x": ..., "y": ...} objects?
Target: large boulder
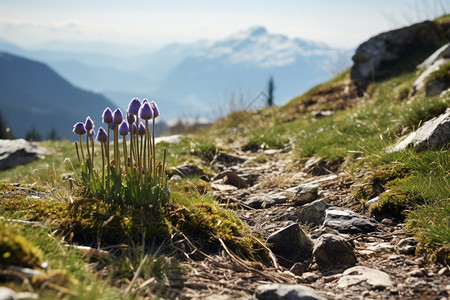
[
  {"x": 434, "y": 133},
  {"x": 19, "y": 152},
  {"x": 374, "y": 58}
]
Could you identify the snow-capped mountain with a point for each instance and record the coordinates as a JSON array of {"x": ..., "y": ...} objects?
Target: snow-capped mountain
[
  {"x": 257, "y": 47},
  {"x": 242, "y": 64}
]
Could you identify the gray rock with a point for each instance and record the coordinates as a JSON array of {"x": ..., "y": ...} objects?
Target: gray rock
[
  {"x": 416, "y": 273},
  {"x": 186, "y": 170},
  {"x": 421, "y": 81},
  {"x": 332, "y": 251},
  {"x": 306, "y": 193},
  {"x": 310, "y": 277},
  {"x": 434, "y": 133},
  {"x": 313, "y": 212},
  {"x": 286, "y": 292},
  {"x": 407, "y": 246},
  {"x": 232, "y": 178},
  {"x": 356, "y": 275},
  {"x": 373, "y": 59},
  {"x": 370, "y": 202},
  {"x": 19, "y": 152},
  {"x": 291, "y": 243},
  {"x": 348, "y": 222},
  {"x": 443, "y": 52},
  {"x": 259, "y": 201}
]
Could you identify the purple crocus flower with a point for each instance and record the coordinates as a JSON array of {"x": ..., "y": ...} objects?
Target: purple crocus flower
[
  {"x": 130, "y": 118},
  {"x": 107, "y": 116},
  {"x": 117, "y": 116},
  {"x": 79, "y": 128},
  {"x": 144, "y": 101},
  {"x": 141, "y": 130},
  {"x": 102, "y": 137},
  {"x": 134, "y": 128},
  {"x": 146, "y": 112},
  {"x": 123, "y": 129},
  {"x": 133, "y": 107},
  {"x": 155, "y": 109},
  {"x": 89, "y": 124}
]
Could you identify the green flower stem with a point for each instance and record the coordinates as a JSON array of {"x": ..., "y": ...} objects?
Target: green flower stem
[
  {"x": 116, "y": 150},
  {"x": 81, "y": 145},
  {"x": 125, "y": 156},
  {"x": 147, "y": 145},
  {"x": 103, "y": 164},
  {"x": 108, "y": 162},
  {"x": 153, "y": 146},
  {"x": 92, "y": 146}
]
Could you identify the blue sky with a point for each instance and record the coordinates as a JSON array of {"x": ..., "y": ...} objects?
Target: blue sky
[{"x": 151, "y": 24}]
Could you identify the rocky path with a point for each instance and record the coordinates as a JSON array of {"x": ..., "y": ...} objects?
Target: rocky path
[{"x": 326, "y": 248}]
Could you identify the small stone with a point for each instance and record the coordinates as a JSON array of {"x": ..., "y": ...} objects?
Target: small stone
[
  {"x": 394, "y": 257},
  {"x": 388, "y": 222},
  {"x": 291, "y": 243},
  {"x": 232, "y": 178},
  {"x": 175, "y": 177},
  {"x": 259, "y": 201},
  {"x": 416, "y": 273},
  {"x": 313, "y": 212},
  {"x": 186, "y": 170},
  {"x": 309, "y": 277},
  {"x": 348, "y": 222},
  {"x": 306, "y": 193},
  {"x": 355, "y": 275},
  {"x": 286, "y": 291},
  {"x": 331, "y": 251},
  {"x": 407, "y": 246},
  {"x": 443, "y": 271}
]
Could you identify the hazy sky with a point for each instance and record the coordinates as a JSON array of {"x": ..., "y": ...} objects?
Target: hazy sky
[{"x": 342, "y": 23}]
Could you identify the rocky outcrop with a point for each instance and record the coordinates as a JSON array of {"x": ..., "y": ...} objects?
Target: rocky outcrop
[
  {"x": 18, "y": 152},
  {"x": 434, "y": 133},
  {"x": 432, "y": 64},
  {"x": 374, "y": 58}
]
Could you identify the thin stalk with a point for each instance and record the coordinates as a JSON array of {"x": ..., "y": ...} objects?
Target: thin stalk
[
  {"x": 78, "y": 154},
  {"x": 116, "y": 150},
  {"x": 125, "y": 154},
  {"x": 81, "y": 145},
  {"x": 92, "y": 146},
  {"x": 103, "y": 165},
  {"x": 153, "y": 146},
  {"x": 147, "y": 145},
  {"x": 108, "y": 162}
]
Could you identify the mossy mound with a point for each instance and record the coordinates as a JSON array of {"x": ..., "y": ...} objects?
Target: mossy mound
[
  {"x": 393, "y": 204},
  {"x": 93, "y": 222},
  {"x": 17, "y": 250},
  {"x": 376, "y": 182}
]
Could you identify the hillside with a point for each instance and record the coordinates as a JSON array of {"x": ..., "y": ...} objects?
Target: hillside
[{"x": 34, "y": 96}]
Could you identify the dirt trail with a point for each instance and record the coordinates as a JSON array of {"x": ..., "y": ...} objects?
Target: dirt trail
[{"x": 223, "y": 277}]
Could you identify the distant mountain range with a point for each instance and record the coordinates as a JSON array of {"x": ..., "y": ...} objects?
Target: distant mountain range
[
  {"x": 33, "y": 96},
  {"x": 195, "y": 80}
]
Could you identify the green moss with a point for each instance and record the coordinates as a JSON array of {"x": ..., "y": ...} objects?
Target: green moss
[
  {"x": 375, "y": 182},
  {"x": 16, "y": 249},
  {"x": 393, "y": 204},
  {"x": 6, "y": 187}
]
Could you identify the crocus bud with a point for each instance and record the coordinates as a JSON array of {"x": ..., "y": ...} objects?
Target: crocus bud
[
  {"x": 123, "y": 129},
  {"x": 133, "y": 107},
  {"x": 155, "y": 109},
  {"x": 102, "y": 137},
  {"x": 117, "y": 116},
  {"x": 107, "y": 116},
  {"x": 146, "y": 112},
  {"x": 144, "y": 101},
  {"x": 134, "y": 128},
  {"x": 130, "y": 118},
  {"x": 91, "y": 132},
  {"x": 88, "y": 124},
  {"x": 141, "y": 130},
  {"x": 79, "y": 128}
]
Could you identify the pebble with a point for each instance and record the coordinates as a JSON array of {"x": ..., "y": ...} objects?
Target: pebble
[
  {"x": 416, "y": 273},
  {"x": 394, "y": 257},
  {"x": 310, "y": 277},
  {"x": 442, "y": 271}
]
